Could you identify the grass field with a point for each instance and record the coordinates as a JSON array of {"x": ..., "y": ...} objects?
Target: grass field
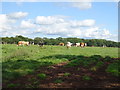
[{"x": 20, "y": 61}]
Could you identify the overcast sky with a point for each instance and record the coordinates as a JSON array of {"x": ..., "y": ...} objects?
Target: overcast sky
[{"x": 96, "y": 20}]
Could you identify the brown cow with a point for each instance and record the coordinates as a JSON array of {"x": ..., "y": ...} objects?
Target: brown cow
[
  {"x": 61, "y": 44},
  {"x": 82, "y": 45},
  {"x": 23, "y": 43}
]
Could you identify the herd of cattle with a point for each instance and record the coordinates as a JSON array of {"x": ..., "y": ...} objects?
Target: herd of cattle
[{"x": 68, "y": 45}]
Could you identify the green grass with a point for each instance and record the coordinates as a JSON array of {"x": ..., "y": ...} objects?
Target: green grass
[
  {"x": 18, "y": 61},
  {"x": 58, "y": 81},
  {"x": 66, "y": 74},
  {"x": 114, "y": 69},
  {"x": 86, "y": 77},
  {"x": 42, "y": 76}
]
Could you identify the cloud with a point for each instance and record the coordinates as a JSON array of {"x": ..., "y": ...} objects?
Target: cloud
[
  {"x": 6, "y": 23},
  {"x": 79, "y": 5},
  {"x": 60, "y": 0},
  {"x": 27, "y": 24},
  {"x": 84, "y": 23},
  {"x": 54, "y": 26},
  {"x": 82, "y": 5},
  {"x": 49, "y": 19},
  {"x": 8, "y": 26},
  {"x": 4, "y": 19},
  {"x": 72, "y": 28},
  {"x": 17, "y": 15}
]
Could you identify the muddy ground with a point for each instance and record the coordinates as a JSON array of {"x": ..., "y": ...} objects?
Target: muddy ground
[{"x": 56, "y": 78}]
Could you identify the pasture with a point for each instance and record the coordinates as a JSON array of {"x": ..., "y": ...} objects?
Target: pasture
[{"x": 56, "y": 66}]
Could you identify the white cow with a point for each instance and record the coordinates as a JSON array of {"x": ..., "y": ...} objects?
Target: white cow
[
  {"x": 77, "y": 44},
  {"x": 85, "y": 44},
  {"x": 69, "y": 44}
]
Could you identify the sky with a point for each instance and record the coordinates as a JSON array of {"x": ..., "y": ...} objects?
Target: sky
[{"x": 88, "y": 20}]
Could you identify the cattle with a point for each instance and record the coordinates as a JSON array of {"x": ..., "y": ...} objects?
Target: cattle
[
  {"x": 31, "y": 42},
  {"x": 80, "y": 44},
  {"x": 41, "y": 44},
  {"x": 69, "y": 44},
  {"x": 61, "y": 44},
  {"x": 23, "y": 43},
  {"x": 104, "y": 45},
  {"x": 77, "y": 44},
  {"x": 83, "y": 44}
]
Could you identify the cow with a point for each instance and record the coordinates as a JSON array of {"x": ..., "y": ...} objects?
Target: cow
[
  {"x": 23, "y": 43},
  {"x": 61, "y": 44},
  {"x": 31, "y": 42},
  {"x": 82, "y": 45},
  {"x": 85, "y": 44},
  {"x": 69, "y": 44},
  {"x": 41, "y": 44},
  {"x": 104, "y": 46},
  {"x": 77, "y": 44}
]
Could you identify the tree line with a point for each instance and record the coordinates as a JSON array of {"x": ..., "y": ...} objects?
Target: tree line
[{"x": 56, "y": 41}]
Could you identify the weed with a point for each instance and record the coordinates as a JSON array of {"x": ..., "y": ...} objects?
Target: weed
[
  {"x": 96, "y": 57},
  {"x": 114, "y": 69},
  {"x": 42, "y": 76},
  {"x": 99, "y": 64},
  {"x": 58, "y": 81},
  {"x": 86, "y": 77},
  {"x": 29, "y": 86},
  {"x": 11, "y": 85},
  {"x": 93, "y": 68},
  {"x": 107, "y": 58},
  {"x": 66, "y": 74},
  {"x": 78, "y": 69}
]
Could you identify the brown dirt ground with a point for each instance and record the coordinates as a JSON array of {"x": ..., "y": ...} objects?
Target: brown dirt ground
[{"x": 100, "y": 79}]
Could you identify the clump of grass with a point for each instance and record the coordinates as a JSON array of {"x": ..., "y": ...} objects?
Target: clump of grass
[
  {"x": 86, "y": 77},
  {"x": 66, "y": 74},
  {"x": 19, "y": 54},
  {"x": 96, "y": 57},
  {"x": 42, "y": 76},
  {"x": 107, "y": 58},
  {"x": 58, "y": 81},
  {"x": 114, "y": 69},
  {"x": 78, "y": 69},
  {"x": 11, "y": 85},
  {"x": 99, "y": 64},
  {"x": 93, "y": 68}
]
